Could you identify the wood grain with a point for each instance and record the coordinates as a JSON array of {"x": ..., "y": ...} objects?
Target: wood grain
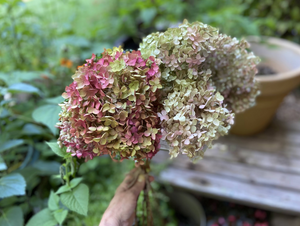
[
  {"x": 261, "y": 171},
  {"x": 214, "y": 186}
]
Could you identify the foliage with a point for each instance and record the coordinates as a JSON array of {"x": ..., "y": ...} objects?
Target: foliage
[
  {"x": 26, "y": 161},
  {"x": 103, "y": 177},
  {"x": 275, "y": 17},
  {"x": 226, "y": 15},
  {"x": 35, "y": 62},
  {"x": 12, "y": 216}
]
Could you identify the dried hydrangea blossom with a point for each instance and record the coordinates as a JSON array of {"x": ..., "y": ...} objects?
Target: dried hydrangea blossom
[
  {"x": 193, "y": 117},
  {"x": 234, "y": 70},
  {"x": 196, "y": 47},
  {"x": 205, "y": 76},
  {"x": 109, "y": 107}
]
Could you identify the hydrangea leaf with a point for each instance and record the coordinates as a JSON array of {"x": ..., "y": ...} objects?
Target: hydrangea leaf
[
  {"x": 12, "y": 184},
  {"x": 56, "y": 149},
  {"x": 2, "y": 164},
  {"x": 47, "y": 115},
  {"x": 77, "y": 199},
  {"x": 12, "y": 217},
  {"x": 11, "y": 144},
  {"x": 42, "y": 218},
  {"x": 53, "y": 201},
  {"x": 60, "y": 215}
]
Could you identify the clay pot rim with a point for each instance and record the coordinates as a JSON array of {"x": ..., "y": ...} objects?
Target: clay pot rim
[{"x": 282, "y": 43}]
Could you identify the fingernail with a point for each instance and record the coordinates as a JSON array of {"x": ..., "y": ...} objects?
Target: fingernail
[{"x": 141, "y": 178}]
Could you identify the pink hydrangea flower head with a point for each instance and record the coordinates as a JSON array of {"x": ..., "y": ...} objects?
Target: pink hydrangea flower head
[{"x": 109, "y": 107}]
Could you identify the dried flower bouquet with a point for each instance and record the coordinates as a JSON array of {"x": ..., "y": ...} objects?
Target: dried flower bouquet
[{"x": 183, "y": 86}]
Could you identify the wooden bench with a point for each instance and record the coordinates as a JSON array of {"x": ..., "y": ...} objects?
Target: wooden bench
[{"x": 260, "y": 171}]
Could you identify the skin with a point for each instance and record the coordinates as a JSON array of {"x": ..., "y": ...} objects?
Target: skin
[{"x": 121, "y": 210}]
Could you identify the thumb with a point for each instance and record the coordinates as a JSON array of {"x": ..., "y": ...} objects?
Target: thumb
[{"x": 139, "y": 185}]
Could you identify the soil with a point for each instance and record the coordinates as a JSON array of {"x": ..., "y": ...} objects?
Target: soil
[{"x": 265, "y": 70}]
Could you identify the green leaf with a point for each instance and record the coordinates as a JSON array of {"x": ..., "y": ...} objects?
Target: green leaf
[
  {"x": 2, "y": 164},
  {"x": 10, "y": 144},
  {"x": 56, "y": 149},
  {"x": 12, "y": 217},
  {"x": 77, "y": 200},
  {"x": 32, "y": 129},
  {"x": 60, "y": 215},
  {"x": 48, "y": 115},
  {"x": 95, "y": 47},
  {"x": 63, "y": 189},
  {"x": 12, "y": 184},
  {"x": 22, "y": 88},
  {"x": 72, "y": 40},
  {"x": 53, "y": 201},
  {"x": 31, "y": 177},
  {"x": 42, "y": 218},
  {"x": 47, "y": 167},
  {"x": 67, "y": 188},
  {"x": 75, "y": 182},
  {"x": 4, "y": 112},
  {"x": 8, "y": 201},
  {"x": 147, "y": 15},
  {"x": 4, "y": 77},
  {"x": 20, "y": 76},
  {"x": 55, "y": 100}
]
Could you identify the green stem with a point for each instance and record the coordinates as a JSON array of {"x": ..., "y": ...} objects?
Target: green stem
[{"x": 67, "y": 172}]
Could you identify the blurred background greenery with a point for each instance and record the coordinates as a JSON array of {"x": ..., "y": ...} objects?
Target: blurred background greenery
[{"x": 42, "y": 43}]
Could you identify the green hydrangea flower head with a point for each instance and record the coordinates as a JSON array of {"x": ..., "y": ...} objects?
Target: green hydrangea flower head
[{"x": 206, "y": 76}]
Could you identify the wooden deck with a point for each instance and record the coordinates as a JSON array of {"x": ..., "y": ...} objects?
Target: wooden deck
[{"x": 260, "y": 171}]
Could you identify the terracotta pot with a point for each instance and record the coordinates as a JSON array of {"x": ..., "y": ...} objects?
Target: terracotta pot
[{"x": 284, "y": 58}]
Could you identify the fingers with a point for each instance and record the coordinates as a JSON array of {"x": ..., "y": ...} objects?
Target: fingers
[
  {"x": 130, "y": 176},
  {"x": 141, "y": 182},
  {"x": 129, "y": 180},
  {"x": 134, "y": 181},
  {"x": 139, "y": 185}
]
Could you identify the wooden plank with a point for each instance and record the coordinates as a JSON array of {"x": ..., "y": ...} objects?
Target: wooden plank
[
  {"x": 281, "y": 136},
  {"x": 263, "y": 144},
  {"x": 266, "y": 197},
  {"x": 235, "y": 171},
  {"x": 261, "y": 170},
  {"x": 280, "y": 131},
  {"x": 285, "y": 125},
  {"x": 284, "y": 136},
  {"x": 276, "y": 162}
]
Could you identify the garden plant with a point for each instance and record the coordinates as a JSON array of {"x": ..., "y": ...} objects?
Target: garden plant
[
  {"x": 182, "y": 87},
  {"x": 41, "y": 48}
]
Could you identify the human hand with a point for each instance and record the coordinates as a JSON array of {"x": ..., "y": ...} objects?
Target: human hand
[{"x": 121, "y": 210}]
